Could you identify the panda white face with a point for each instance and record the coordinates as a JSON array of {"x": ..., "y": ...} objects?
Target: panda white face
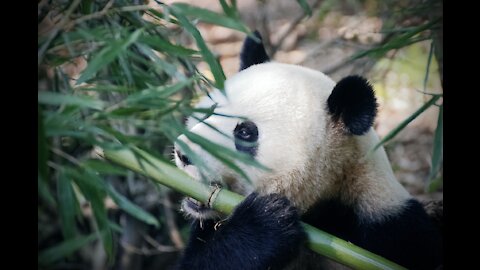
[
  {"x": 310, "y": 131},
  {"x": 278, "y": 109}
]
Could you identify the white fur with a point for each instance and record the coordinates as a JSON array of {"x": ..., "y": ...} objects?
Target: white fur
[{"x": 311, "y": 157}]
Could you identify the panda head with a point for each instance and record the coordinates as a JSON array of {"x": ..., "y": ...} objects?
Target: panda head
[{"x": 296, "y": 121}]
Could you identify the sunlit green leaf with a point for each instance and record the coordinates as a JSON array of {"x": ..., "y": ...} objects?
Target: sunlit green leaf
[
  {"x": 209, "y": 16},
  {"x": 158, "y": 63},
  {"x": 163, "y": 45},
  {"x": 215, "y": 66},
  {"x": 404, "y": 123},
  {"x": 52, "y": 98},
  {"x": 158, "y": 92},
  {"x": 399, "y": 41},
  {"x": 107, "y": 55},
  {"x": 427, "y": 72},
  {"x": 224, "y": 154},
  {"x": 231, "y": 11}
]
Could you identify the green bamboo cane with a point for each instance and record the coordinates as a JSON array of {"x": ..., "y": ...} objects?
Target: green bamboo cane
[{"x": 225, "y": 201}]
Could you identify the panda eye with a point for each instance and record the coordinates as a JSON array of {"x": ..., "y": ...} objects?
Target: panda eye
[
  {"x": 246, "y": 136},
  {"x": 246, "y": 131}
]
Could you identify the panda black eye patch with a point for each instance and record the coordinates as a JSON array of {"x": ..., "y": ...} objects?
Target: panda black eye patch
[{"x": 246, "y": 136}]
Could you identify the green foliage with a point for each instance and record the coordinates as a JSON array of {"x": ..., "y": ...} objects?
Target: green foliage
[
  {"x": 437, "y": 155},
  {"x": 135, "y": 90},
  {"x": 404, "y": 123},
  {"x": 401, "y": 33},
  {"x": 55, "y": 253},
  {"x": 306, "y": 7}
]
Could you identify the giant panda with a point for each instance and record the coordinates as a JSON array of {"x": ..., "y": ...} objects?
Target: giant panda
[{"x": 313, "y": 133}]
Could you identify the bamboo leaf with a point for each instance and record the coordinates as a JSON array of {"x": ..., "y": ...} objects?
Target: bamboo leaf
[
  {"x": 400, "y": 41},
  {"x": 131, "y": 208},
  {"x": 163, "y": 172},
  {"x": 93, "y": 181},
  {"x": 382, "y": 50},
  {"x": 213, "y": 63},
  {"x": 435, "y": 184},
  {"x": 224, "y": 154},
  {"x": 42, "y": 146},
  {"x": 52, "y": 98},
  {"x": 66, "y": 205},
  {"x": 437, "y": 155},
  {"x": 117, "y": 228},
  {"x": 101, "y": 218},
  {"x": 106, "y": 88},
  {"x": 164, "y": 46},
  {"x": 223, "y": 151},
  {"x": 107, "y": 55},
  {"x": 216, "y": 151},
  {"x": 64, "y": 249},
  {"x": 158, "y": 62},
  {"x": 209, "y": 16},
  {"x": 103, "y": 167},
  {"x": 86, "y": 6},
  {"x": 158, "y": 92},
  {"x": 95, "y": 194},
  {"x": 305, "y": 6},
  {"x": 403, "y": 124},
  {"x": 231, "y": 11},
  {"x": 126, "y": 69},
  {"x": 427, "y": 72},
  {"x": 44, "y": 191},
  {"x": 196, "y": 159}
]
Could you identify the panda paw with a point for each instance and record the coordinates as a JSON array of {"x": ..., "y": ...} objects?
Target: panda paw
[
  {"x": 271, "y": 209},
  {"x": 270, "y": 219},
  {"x": 263, "y": 232}
]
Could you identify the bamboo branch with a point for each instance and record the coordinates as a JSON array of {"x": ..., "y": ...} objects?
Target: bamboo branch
[{"x": 225, "y": 201}]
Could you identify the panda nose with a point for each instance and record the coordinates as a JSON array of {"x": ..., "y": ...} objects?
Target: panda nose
[{"x": 183, "y": 158}]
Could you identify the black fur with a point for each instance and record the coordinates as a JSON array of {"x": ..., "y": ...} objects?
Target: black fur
[
  {"x": 353, "y": 100},
  {"x": 252, "y": 52},
  {"x": 409, "y": 239},
  {"x": 264, "y": 232},
  {"x": 246, "y": 136},
  {"x": 186, "y": 161}
]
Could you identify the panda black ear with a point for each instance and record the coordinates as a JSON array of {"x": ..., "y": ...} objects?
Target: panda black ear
[
  {"x": 252, "y": 52},
  {"x": 353, "y": 100}
]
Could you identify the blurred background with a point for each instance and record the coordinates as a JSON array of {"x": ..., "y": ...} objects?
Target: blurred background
[{"x": 125, "y": 73}]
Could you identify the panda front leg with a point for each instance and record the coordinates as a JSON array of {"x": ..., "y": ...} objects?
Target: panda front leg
[{"x": 263, "y": 232}]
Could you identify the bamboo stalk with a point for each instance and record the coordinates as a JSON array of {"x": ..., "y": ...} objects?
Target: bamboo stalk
[{"x": 225, "y": 201}]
